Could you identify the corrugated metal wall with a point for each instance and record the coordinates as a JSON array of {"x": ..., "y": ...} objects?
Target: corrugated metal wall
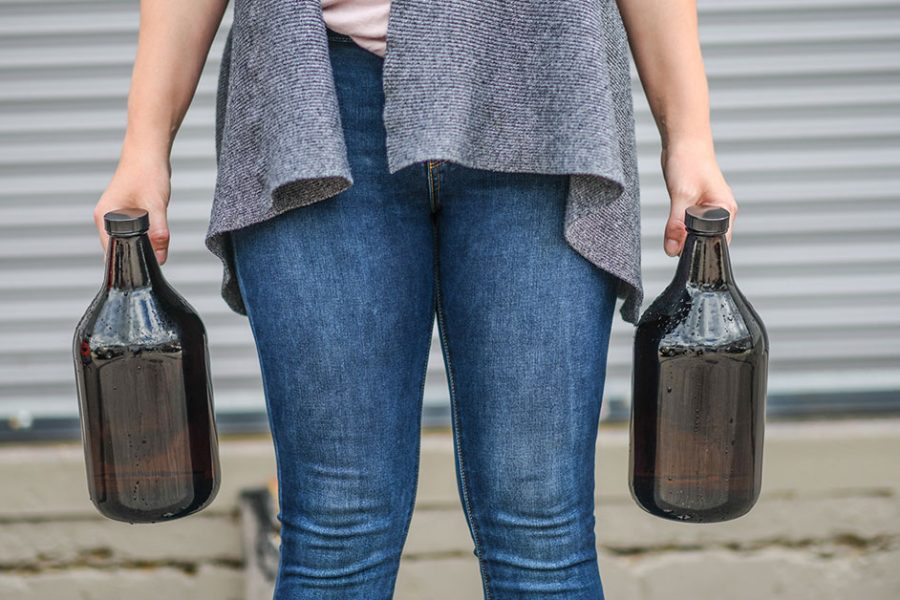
[{"x": 806, "y": 110}]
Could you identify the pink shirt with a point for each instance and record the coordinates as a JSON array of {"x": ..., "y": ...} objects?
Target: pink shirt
[{"x": 363, "y": 20}]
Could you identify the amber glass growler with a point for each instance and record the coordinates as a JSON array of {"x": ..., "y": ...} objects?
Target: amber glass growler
[
  {"x": 699, "y": 387},
  {"x": 144, "y": 390}
]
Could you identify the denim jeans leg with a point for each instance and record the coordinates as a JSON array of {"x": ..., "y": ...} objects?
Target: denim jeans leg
[
  {"x": 340, "y": 302},
  {"x": 524, "y": 324},
  {"x": 340, "y": 298}
]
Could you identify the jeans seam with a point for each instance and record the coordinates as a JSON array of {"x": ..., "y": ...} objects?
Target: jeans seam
[
  {"x": 433, "y": 186},
  {"x": 278, "y": 463},
  {"x": 424, "y": 370},
  {"x": 466, "y": 500},
  {"x": 437, "y": 180}
]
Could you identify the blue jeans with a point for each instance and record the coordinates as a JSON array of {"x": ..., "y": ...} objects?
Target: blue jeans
[{"x": 341, "y": 297}]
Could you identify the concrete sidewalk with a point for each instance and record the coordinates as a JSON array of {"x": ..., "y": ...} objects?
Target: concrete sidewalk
[{"x": 826, "y": 527}]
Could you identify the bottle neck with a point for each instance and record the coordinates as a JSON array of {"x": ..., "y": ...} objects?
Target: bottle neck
[
  {"x": 130, "y": 262},
  {"x": 705, "y": 261}
]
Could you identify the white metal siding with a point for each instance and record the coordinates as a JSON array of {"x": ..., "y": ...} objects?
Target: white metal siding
[{"x": 806, "y": 114}]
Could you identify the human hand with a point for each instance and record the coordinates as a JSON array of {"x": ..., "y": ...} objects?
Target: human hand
[
  {"x": 139, "y": 184},
  {"x": 693, "y": 177}
]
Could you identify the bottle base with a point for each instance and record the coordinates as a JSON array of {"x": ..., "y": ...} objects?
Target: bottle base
[
  {"x": 650, "y": 495},
  {"x": 146, "y": 509}
]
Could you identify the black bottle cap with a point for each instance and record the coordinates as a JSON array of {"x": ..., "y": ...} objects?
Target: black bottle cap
[
  {"x": 706, "y": 220},
  {"x": 126, "y": 221}
]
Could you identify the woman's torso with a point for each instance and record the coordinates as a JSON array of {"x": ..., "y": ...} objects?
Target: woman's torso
[{"x": 530, "y": 86}]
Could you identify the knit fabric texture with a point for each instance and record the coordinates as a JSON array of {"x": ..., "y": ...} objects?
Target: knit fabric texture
[{"x": 531, "y": 86}]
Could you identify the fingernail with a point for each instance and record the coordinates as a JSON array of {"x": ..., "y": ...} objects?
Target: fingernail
[
  {"x": 671, "y": 247},
  {"x": 159, "y": 256}
]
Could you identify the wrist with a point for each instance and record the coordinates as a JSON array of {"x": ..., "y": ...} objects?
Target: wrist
[
  {"x": 149, "y": 135},
  {"x": 696, "y": 148},
  {"x": 148, "y": 144},
  {"x": 684, "y": 127},
  {"x": 134, "y": 159},
  {"x": 697, "y": 139},
  {"x": 145, "y": 153}
]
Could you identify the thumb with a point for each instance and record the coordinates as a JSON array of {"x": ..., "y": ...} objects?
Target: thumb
[
  {"x": 159, "y": 233},
  {"x": 675, "y": 232}
]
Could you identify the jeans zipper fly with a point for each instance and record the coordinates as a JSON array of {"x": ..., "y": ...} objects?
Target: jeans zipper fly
[{"x": 434, "y": 183}]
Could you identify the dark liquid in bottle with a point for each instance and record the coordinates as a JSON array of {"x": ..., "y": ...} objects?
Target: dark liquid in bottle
[
  {"x": 145, "y": 398},
  {"x": 699, "y": 394}
]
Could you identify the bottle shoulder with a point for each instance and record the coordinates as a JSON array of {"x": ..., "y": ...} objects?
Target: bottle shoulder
[
  {"x": 143, "y": 316},
  {"x": 752, "y": 320},
  {"x": 701, "y": 316}
]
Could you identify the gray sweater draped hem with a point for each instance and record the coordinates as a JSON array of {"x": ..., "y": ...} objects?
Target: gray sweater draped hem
[{"x": 546, "y": 89}]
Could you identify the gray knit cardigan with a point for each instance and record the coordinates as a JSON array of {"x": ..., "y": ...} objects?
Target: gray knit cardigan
[{"x": 527, "y": 85}]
